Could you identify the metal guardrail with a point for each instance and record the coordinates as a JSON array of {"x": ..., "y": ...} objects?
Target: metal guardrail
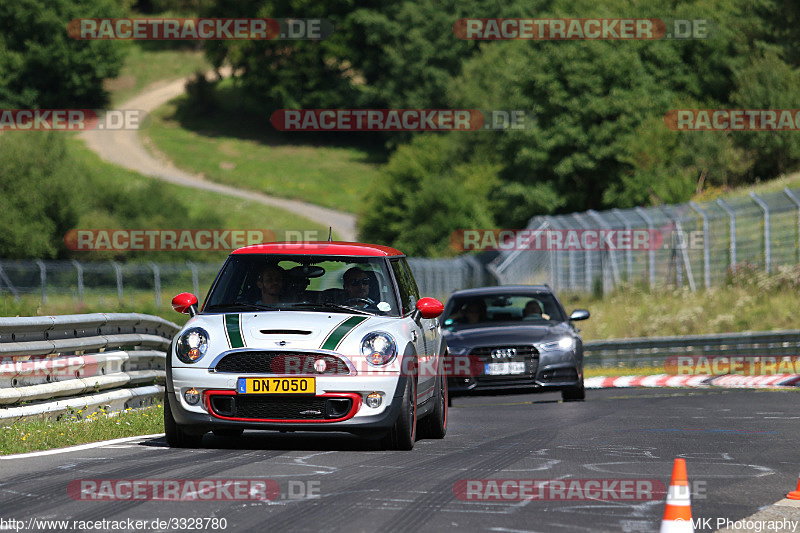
[
  {"x": 54, "y": 364},
  {"x": 654, "y": 351}
]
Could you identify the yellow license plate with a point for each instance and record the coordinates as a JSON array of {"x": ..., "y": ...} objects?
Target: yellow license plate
[{"x": 276, "y": 386}]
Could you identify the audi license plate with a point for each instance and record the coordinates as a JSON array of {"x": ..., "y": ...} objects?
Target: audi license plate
[
  {"x": 500, "y": 369},
  {"x": 276, "y": 386}
]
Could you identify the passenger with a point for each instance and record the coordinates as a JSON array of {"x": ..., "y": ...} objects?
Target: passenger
[{"x": 270, "y": 281}]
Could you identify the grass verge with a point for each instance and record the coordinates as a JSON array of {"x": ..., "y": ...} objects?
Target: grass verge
[
  {"x": 592, "y": 372},
  {"x": 34, "y": 435}
]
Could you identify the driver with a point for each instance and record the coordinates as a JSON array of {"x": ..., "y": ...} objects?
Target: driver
[
  {"x": 534, "y": 310},
  {"x": 270, "y": 281},
  {"x": 356, "y": 284}
]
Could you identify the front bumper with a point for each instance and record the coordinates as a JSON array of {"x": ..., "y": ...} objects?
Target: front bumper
[
  {"x": 547, "y": 379},
  {"x": 358, "y": 419}
]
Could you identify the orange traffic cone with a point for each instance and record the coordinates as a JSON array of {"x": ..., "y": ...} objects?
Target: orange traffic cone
[
  {"x": 678, "y": 512},
  {"x": 795, "y": 494}
]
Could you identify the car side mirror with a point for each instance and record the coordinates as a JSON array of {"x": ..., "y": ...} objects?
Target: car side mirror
[
  {"x": 185, "y": 303},
  {"x": 579, "y": 314},
  {"x": 430, "y": 307}
]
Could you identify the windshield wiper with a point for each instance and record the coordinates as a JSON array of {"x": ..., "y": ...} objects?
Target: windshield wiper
[
  {"x": 242, "y": 307},
  {"x": 331, "y": 305}
]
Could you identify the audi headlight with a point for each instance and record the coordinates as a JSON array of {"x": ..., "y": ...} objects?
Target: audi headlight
[
  {"x": 192, "y": 345},
  {"x": 379, "y": 348},
  {"x": 565, "y": 343}
]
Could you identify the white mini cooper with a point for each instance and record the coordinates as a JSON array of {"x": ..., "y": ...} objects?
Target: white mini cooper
[{"x": 309, "y": 336}]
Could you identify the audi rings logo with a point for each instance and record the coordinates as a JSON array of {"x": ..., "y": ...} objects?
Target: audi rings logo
[{"x": 503, "y": 353}]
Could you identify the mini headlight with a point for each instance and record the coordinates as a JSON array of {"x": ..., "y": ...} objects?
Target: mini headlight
[
  {"x": 192, "y": 345},
  {"x": 379, "y": 348},
  {"x": 565, "y": 343}
]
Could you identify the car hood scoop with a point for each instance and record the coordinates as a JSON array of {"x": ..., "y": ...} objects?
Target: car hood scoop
[{"x": 284, "y": 332}]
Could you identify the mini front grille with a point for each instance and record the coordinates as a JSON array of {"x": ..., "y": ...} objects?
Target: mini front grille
[
  {"x": 264, "y": 362},
  {"x": 281, "y": 408}
]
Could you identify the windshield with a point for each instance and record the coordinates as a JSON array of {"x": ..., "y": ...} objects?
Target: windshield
[
  {"x": 256, "y": 282},
  {"x": 502, "y": 310}
]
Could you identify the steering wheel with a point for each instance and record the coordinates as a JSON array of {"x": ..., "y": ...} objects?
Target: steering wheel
[{"x": 365, "y": 301}]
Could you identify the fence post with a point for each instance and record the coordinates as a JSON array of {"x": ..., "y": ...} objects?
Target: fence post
[
  {"x": 793, "y": 198},
  {"x": 610, "y": 253},
  {"x": 767, "y": 246},
  {"x": 651, "y": 256},
  {"x": 156, "y": 282},
  {"x": 118, "y": 270},
  {"x": 587, "y": 258},
  {"x": 42, "y": 279},
  {"x": 732, "y": 216},
  {"x": 629, "y": 251},
  {"x": 195, "y": 278},
  {"x": 8, "y": 283},
  {"x": 706, "y": 253},
  {"x": 79, "y": 268}
]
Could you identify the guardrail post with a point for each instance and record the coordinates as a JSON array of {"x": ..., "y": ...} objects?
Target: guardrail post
[
  {"x": 118, "y": 270},
  {"x": 79, "y": 268},
  {"x": 767, "y": 245},
  {"x": 706, "y": 253},
  {"x": 794, "y": 198},
  {"x": 651, "y": 256},
  {"x": 156, "y": 282},
  {"x": 42, "y": 279},
  {"x": 732, "y": 217}
]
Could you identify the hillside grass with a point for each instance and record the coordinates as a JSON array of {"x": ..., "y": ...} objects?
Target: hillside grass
[
  {"x": 230, "y": 144},
  {"x": 633, "y": 312},
  {"x": 145, "y": 66},
  {"x": 235, "y": 213}
]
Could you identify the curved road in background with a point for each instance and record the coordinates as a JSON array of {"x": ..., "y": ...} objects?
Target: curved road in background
[{"x": 124, "y": 148}]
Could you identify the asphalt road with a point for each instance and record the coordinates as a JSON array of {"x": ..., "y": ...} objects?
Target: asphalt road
[{"x": 741, "y": 449}]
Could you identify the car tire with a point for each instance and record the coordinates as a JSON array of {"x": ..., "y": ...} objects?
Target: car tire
[
  {"x": 434, "y": 426},
  {"x": 404, "y": 432},
  {"x": 228, "y": 432},
  {"x": 574, "y": 394},
  {"x": 177, "y": 436}
]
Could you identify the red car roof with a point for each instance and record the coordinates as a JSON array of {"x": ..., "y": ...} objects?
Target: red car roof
[{"x": 320, "y": 248}]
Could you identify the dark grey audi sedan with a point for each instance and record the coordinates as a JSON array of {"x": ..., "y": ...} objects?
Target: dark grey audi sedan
[{"x": 514, "y": 337}]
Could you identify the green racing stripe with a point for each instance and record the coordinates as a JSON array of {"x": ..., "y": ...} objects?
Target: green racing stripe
[
  {"x": 233, "y": 326},
  {"x": 341, "y": 331}
]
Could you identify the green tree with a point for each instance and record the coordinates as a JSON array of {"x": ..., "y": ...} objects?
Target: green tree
[{"x": 41, "y": 66}]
